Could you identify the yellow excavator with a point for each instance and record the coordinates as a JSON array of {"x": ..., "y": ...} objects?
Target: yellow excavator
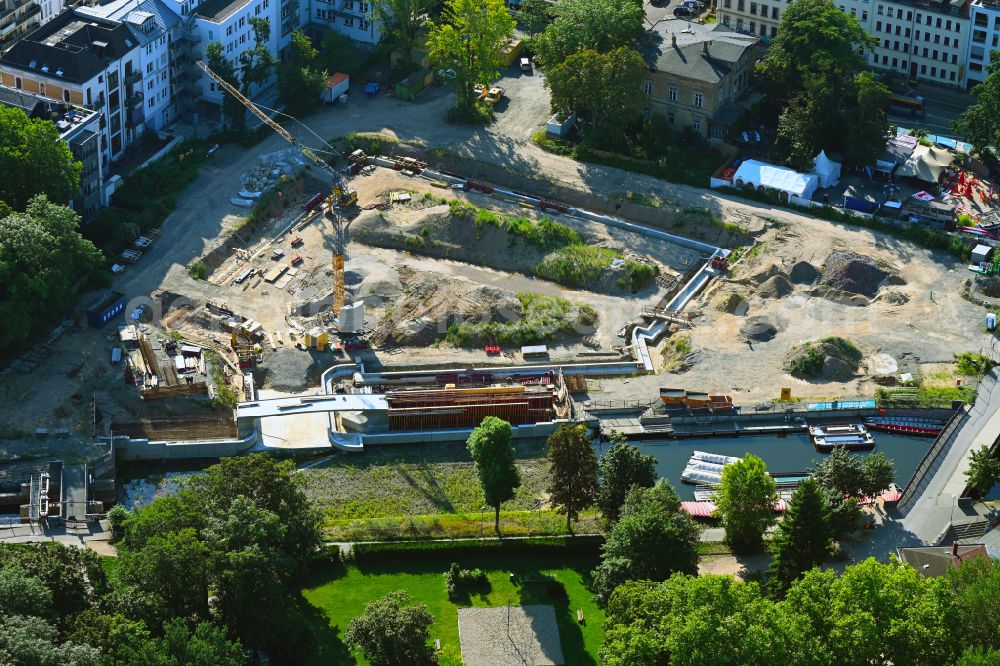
[{"x": 342, "y": 194}]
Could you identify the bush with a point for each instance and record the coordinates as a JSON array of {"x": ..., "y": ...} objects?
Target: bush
[
  {"x": 479, "y": 113},
  {"x": 577, "y": 265},
  {"x": 459, "y": 580},
  {"x": 117, "y": 517},
  {"x": 972, "y": 364},
  {"x": 198, "y": 270},
  {"x": 444, "y": 550},
  {"x": 639, "y": 275}
]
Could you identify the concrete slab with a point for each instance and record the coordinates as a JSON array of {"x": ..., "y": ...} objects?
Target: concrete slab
[{"x": 509, "y": 636}]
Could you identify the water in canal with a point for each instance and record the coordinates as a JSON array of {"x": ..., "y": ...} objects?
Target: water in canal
[{"x": 792, "y": 453}]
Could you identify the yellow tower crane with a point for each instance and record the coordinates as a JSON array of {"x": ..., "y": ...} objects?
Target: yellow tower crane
[{"x": 342, "y": 194}]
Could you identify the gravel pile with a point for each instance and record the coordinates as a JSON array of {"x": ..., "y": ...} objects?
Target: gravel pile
[
  {"x": 803, "y": 273},
  {"x": 853, "y": 273},
  {"x": 293, "y": 370},
  {"x": 759, "y": 328}
]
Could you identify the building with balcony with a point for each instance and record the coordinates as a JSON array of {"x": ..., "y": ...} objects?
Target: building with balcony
[
  {"x": 154, "y": 26},
  {"x": 87, "y": 61},
  {"x": 984, "y": 19},
  {"x": 78, "y": 127},
  {"x": 696, "y": 74},
  {"x": 922, "y": 40},
  {"x": 353, "y": 18},
  {"x": 17, "y": 18}
]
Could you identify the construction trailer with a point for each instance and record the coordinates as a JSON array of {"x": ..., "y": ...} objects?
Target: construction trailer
[{"x": 110, "y": 306}]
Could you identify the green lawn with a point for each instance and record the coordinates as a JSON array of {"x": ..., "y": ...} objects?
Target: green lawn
[{"x": 341, "y": 593}]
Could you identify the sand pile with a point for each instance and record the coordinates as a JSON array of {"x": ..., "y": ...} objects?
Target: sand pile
[
  {"x": 776, "y": 286},
  {"x": 731, "y": 303},
  {"x": 893, "y": 297},
  {"x": 855, "y": 273}
]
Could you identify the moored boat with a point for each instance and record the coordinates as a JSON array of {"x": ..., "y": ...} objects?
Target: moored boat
[
  {"x": 851, "y": 436},
  {"x": 906, "y": 425}
]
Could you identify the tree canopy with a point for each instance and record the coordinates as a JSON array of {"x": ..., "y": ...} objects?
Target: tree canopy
[
  {"x": 493, "y": 453},
  {"x": 469, "y": 42},
  {"x": 978, "y": 123},
  {"x": 803, "y": 538},
  {"x": 401, "y": 23},
  {"x": 572, "y": 471},
  {"x": 301, "y": 77},
  {"x": 391, "y": 633},
  {"x": 622, "y": 467},
  {"x": 589, "y": 25},
  {"x": 652, "y": 540},
  {"x": 34, "y": 161},
  {"x": 745, "y": 502},
  {"x": 817, "y": 87},
  {"x": 43, "y": 260},
  {"x": 984, "y": 470}
]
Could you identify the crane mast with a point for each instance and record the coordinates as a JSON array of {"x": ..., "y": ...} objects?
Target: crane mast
[{"x": 341, "y": 195}]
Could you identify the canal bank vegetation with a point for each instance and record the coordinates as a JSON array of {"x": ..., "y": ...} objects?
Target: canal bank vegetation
[{"x": 924, "y": 396}]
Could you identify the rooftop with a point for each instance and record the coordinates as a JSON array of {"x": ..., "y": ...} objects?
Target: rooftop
[
  {"x": 73, "y": 47},
  {"x": 219, "y": 10},
  {"x": 702, "y": 52},
  {"x": 932, "y": 561},
  {"x": 146, "y": 19},
  {"x": 67, "y": 118}
]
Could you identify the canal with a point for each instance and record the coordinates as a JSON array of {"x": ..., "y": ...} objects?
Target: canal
[{"x": 790, "y": 453}]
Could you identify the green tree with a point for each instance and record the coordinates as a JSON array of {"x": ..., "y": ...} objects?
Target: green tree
[
  {"x": 43, "y": 260},
  {"x": 804, "y": 536},
  {"x": 74, "y": 577},
  {"x": 589, "y": 25},
  {"x": 470, "y": 42},
  {"x": 745, "y": 502},
  {"x": 984, "y": 470},
  {"x": 174, "y": 567},
  {"x": 653, "y": 540},
  {"x": 603, "y": 89},
  {"x": 878, "y": 473},
  {"x": 534, "y": 15},
  {"x": 340, "y": 54},
  {"x": 401, "y": 22},
  {"x": 390, "y": 633},
  {"x": 868, "y": 121},
  {"x": 572, "y": 471},
  {"x": 301, "y": 78},
  {"x": 622, "y": 467},
  {"x": 976, "y": 589},
  {"x": 31, "y": 641},
  {"x": 34, "y": 161},
  {"x": 493, "y": 453},
  {"x": 257, "y": 63},
  {"x": 21, "y": 594},
  {"x": 232, "y": 109},
  {"x": 978, "y": 122},
  {"x": 841, "y": 471},
  {"x": 846, "y": 478},
  {"x": 980, "y": 657}
]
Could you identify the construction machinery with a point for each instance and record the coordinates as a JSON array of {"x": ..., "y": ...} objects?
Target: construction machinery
[{"x": 342, "y": 194}]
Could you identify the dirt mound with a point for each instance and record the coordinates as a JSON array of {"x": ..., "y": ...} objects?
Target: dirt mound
[
  {"x": 766, "y": 272},
  {"x": 731, "y": 302},
  {"x": 893, "y": 297},
  {"x": 803, "y": 273},
  {"x": 761, "y": 329},
  {"x": 828, "y": 359},
  {"x": 775, "y": 287},
  {"x": 839, "y": 296},
  {"x": 856, "y": 274}
]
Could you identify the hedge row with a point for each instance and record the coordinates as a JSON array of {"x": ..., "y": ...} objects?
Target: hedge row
[{"x": 454, "y": 550}]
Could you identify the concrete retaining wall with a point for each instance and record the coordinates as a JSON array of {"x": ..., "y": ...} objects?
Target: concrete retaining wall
[{"x": 131, "y": 450}]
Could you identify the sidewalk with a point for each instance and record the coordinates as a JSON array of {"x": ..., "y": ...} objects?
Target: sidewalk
[{"x": 96, "y": 536}]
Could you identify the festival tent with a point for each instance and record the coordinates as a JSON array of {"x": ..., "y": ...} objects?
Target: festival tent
[
  {"x": 769, "y": 177},
  {"x": 926, "y": 164},
  {"x": 826, "y": 170}
]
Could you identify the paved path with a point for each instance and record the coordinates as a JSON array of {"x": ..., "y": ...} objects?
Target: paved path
[
  {"x": 932, "y": 512},
  {"x": 96, "y": 537}
]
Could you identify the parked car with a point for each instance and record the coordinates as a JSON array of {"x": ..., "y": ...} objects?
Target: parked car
[
  {"x": 493, "y": 95},
  {"x": 683, "y": 12},
  {"x": 525, "y": 65}
]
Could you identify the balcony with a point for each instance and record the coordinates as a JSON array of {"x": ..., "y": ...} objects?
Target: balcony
[
  {"x": 132, "y": 77},
  {"x": 134, "y": 99}
]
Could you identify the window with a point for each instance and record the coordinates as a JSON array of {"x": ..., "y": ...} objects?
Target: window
[
  {"x": 672, "y": 93},
  {"x": 947, "y": 25},
  {"x": 646, "y": 113},
  {"x": 229, "y": 31},
  {"x": 925, "y": 52},
  {"x": 923, "y": 69},
  {"x": 321, "y": 13},
  {"x": 947, "y": 41},
  {"x": 878, "y": 26},
  {"x": 774, "y": 13},
  {"x": 211, "y": 35},
  {"x": 647, "y": 87},
  {"x": 774, "y": 31},
  {"x": 696, "y": 124},
  {"x": 41, "y": 88},
  {"x": 864, "y": 15},
  {"x": 349, "y": 21},
  {"x": 149, "y": 68},
  {"x": 933, "y": 71},
  {"x": 938, "y": 24},
  {"x": 364, "y": 7},
  {"x": 727, "y": 4},
  {"x": 854, "y": 12},
  {"x": 65, "y": 95},
  {"x": 152, "y": 102},
  {"x": 885, "y": 60},
  {"x": 935, "y": 54},
  {"x": 895, "y": 46},
  {"x": 954, "y": 59},
  {"x": 363, "y": 24},
  {"x": 951, "y": 76},
  {"x": 699, "y": 100},
  {"x": 895, "y": 63},
  {"x": 725, "y": 20},
  {"x": 753, "y": 27},
  {"x": 763, "y": 11},
  {"x": 906, "y": 33},
  {"x": 670, "y": 117},
  {"x": 753, "y": 8},
  {"x": 718, "y": 133},
  {"x": 879, "y": 12},
  {"x": 909, "y": 15},
  {"x": 17, "y": 82},
  {"x": 897, "y": 29},
  {"x": 739, "y": 5},
  {"x": 152, "y": 82}
]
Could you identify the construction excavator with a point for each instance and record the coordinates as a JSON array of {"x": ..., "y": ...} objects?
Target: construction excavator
[{"x": 341, "y": 195}]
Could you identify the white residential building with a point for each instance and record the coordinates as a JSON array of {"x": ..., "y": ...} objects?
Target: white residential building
[
  {"x": 353, "y": 18},
  {"x": 985, "y": 38},
  {"x": 922, "y": 40}
]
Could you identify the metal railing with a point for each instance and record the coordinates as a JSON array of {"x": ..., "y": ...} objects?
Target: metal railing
[{"x": 943, "y": 441}]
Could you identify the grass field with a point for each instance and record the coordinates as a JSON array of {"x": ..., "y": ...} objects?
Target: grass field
[{"x": 341, "y": 592}]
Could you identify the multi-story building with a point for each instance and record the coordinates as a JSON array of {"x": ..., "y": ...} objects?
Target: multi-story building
[
  {"x": 921, "y": 39},
  {"x": 353, "y": 18},
  {"x": 696, "y": 74},
  {"x": 80, "y": 129},
  {"x": 756, "y": 17},
  {"x": 17, "y": 18},
  {"x": 86, "y": 61},
  {"x": 154, "y": 27},
  {"x": 985, "y": 38}
]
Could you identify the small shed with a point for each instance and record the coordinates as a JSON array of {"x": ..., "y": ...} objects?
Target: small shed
[
  {"x": 110, "y": 306},
  {"x": 981, "y": 254},
  {"x": 414, "y": 84}
]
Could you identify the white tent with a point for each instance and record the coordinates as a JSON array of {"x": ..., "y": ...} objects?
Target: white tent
[
  {"x": 763, "y": 176},
  {"x": 927, "y": 163},
  {"x": 826, "y": 170}
]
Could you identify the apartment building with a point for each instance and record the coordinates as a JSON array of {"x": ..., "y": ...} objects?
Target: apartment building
[
  {"x": 696, "y": 74},
  {"x": 756, "y": 17},
  {"x": 922, "y": 40},
  {"x": 17, "y": 18},
  {"x": 86, "y": 61},
  {"x": 984, "y": 19},
  {"x": 353, "y": 18},
  {"x": 80, "y": 129}
]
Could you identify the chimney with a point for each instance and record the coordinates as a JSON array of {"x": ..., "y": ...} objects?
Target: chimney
[
  {"x": 704, "y": 47},
  {"x": 954, "y": 550},
  {"x": 673, "y": 39}
]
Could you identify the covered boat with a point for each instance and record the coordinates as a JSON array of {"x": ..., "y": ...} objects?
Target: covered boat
[{"x": 851, "y": 436}]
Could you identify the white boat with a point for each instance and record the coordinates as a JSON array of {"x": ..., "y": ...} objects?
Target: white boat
[
  {"x": 706, "y": 468},
  {"x": 714, "y": 458},
  {"x": 852, "y": 436}
]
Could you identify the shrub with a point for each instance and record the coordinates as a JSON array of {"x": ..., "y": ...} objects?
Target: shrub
[
  {"x": 198, "y": 270},
  {"x": 459, "y": 580},
  {"x": 117, "y": 517},
  {"x": 971, "y": 364},
  {"x": 576, "y": 265},
  {"x": 445, "y": 550}
]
